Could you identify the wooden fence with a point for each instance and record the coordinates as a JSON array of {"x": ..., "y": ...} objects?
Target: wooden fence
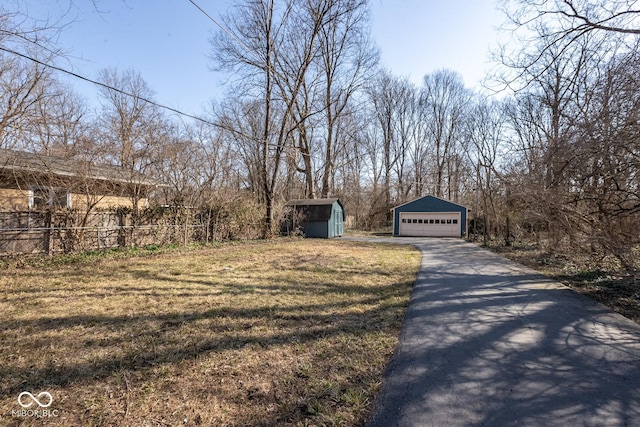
[{"x": 70, "y": 231}]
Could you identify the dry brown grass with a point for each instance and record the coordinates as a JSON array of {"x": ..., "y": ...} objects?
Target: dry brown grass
[{"x": 290, "y": 332}]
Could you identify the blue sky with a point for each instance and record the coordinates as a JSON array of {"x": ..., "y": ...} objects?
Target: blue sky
[{"x": 167, "y": 42}]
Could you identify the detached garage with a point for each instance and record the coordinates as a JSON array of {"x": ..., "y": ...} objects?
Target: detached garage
[{"x": 430, "y": 216}]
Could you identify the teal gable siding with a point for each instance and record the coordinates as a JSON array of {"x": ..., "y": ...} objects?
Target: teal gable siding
[{"x": 430, "y": 204}]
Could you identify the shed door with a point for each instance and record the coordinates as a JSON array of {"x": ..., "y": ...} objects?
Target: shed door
[
  {"x": 339, "y": 227},
  {"x": 430, "y": 224}
]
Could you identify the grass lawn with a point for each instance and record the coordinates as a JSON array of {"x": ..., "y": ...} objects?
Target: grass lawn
[{"x": 285, "y": 332}]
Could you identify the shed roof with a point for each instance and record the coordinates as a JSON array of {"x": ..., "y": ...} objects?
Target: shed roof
[
  {"x": 36, "y": 163},
  {"x": 316, "y": 209},
  {"x": 313, "y": 202}
]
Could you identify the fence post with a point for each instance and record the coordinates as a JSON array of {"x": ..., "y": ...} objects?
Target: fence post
[
  {"x": 186, "y": 220},
  {"x": 48, "y": 233},
  {"x": 208, "y": 226},
  {"x": 122, "y": 240}
]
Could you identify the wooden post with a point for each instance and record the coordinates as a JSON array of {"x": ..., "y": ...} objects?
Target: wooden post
[
  {"x": 48, "y": 232},
  {"x": 122, "y": 239},
  {"x": 186, "y": 220}
]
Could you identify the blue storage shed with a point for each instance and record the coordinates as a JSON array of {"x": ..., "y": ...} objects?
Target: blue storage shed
[
  {"x": 430, "y": 216},
  {"x": 322, "y": 218}
]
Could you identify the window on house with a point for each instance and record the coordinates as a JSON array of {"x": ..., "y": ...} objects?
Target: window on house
[
  {"x": 404, "y": 220},
  {"x": 448, "y": 221},
  {"x": 42, "y": 198},
  {"x": 38, "y": 198},
  {"x": 415, "y": 221},
  {"x": 60, "y": 198},
  {"x": 419, "y": 221},
  {"x": 437, "y": 221},
  {"x": 455, "y": 221},
  {"x": 430, "y": 221}
]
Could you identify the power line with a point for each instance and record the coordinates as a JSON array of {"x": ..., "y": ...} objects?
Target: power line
[
  {"x": 104, "y": 85},
  {"x": 97, "y": 83},
  {"x": 222, "y": 27}
]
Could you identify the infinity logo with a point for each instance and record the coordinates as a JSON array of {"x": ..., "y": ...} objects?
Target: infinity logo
[{"x": 35, "y": 399}]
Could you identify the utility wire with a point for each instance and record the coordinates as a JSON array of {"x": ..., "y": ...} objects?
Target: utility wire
[
  {"x": 97, "y": 83},
  {"x": 233, "y": 36},
  {"x": 250, "y": 55},
  {"x": 104, "y": 85}
]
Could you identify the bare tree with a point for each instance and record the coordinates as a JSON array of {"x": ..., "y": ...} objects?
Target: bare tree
[
  {"x": 543, "y": 32},
  {"x": 575, "y": 18},
  {"x": 485, "y": 130},
  {"x": 23, "y": 86},
  {"x": 383, "y": 95},
  {"x": 351, "y": 164},
  {"x": 347, "y": 58},
  {"x": 27, "y": 41},
  {"x": 271, "y": 50},
  {"x": 607, "y": 159},
  {"x": 304, "y": 157},
  {"x": 573, "y": 124},
  {"x": 445, "y": 101},
  {"x": 405, "y": 123},
  {"x": 131, "y": 127},
  {"x": 60, "y": 123}
]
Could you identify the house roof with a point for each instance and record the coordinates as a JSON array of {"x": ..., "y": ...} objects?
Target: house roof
[
  {"x": 35, "y": 163},
  {"x": 431, "y": 197}
]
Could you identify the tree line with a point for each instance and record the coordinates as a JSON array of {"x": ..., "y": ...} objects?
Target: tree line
[{"x": 551, "y": 154}]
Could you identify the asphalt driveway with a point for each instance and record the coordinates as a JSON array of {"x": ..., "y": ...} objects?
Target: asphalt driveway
[{"x": 488, "y": 342}]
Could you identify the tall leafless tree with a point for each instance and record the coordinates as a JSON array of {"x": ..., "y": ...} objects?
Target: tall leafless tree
[
  {"x": 445, "y": 100},
  {"x": 270, "y": 48},
  {"x": 27, "y": 41},
  {"x": 131, "y": 127},
  {"x": 541, "y": 32},
  {"x": 485, "y": 129},
  {"x": 347, "y": 58}
]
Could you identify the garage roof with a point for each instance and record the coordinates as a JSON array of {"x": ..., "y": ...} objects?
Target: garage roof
[{"x": 430, "y": 197}]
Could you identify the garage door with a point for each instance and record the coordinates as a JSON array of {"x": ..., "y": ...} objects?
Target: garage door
[{"x": 430, "y": 224}]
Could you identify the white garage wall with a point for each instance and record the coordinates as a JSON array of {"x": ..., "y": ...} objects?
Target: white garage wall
[{"x": 430, "y": 224}]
